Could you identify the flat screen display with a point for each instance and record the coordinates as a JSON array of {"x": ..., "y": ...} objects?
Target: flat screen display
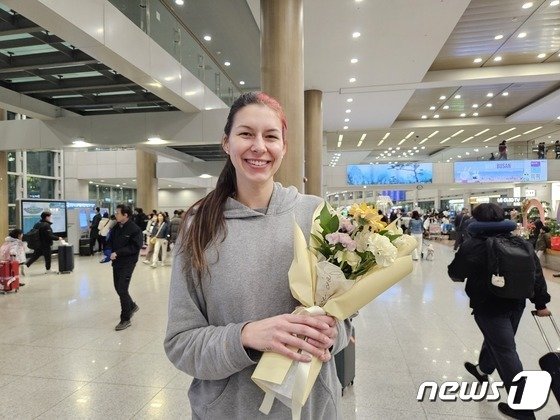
[
  {"x": 500, "y": 171},
  {"x": 31, "y": 213},
  {"x": 400, "y": 173}
]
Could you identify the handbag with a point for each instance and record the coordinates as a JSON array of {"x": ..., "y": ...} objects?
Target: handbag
[{"x": 153, "y": 238}]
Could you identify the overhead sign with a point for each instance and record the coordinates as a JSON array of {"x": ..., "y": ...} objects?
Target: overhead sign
[
  {"x": 500, "y": 171},
  {"x": 396, "y": 173}
]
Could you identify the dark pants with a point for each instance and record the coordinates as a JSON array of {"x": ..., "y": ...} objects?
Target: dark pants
[
  {"x": 45, "y": 252},
  {"x": 458, "y": 239},
  {"x": 498, "y": 349},
  {"x": 121, "y": 280},
  {"x": 93, "y": 238},
  {"x": 102, "y": 241}
]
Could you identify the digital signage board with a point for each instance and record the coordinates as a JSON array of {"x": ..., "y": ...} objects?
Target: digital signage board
[
  {"x": 500, "y": 171},
  {"x": 380, "y": 174}
]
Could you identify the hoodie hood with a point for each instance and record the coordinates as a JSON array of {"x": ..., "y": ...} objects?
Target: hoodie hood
[{"x": 283, "y": 200}]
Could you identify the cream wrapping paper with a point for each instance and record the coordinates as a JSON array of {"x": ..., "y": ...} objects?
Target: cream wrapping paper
[{"x": 291, "y": 382}]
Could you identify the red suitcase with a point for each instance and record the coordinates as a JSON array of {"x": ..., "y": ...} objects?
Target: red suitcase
[{"x": 9, "y": 276}]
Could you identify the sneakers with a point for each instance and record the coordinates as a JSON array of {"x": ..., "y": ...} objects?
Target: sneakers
[
  {"x": 122, "y": 325},
  {"x": 146, "y": 261},
  {"x": 516, "y": 414},
  {"x": 473, "y": 370},
  {"x": 135, "y": 309},
  {"x": 154, "y": 265}
]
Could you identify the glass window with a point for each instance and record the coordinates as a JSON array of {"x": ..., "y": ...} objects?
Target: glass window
[
  {"x": 12, "y": 186},
  {"x": 12, "y": 217},
  {"x": 40, "y": 163},
  {"x": 11, "y": 161},
  {"x": 40, "y": 187},
  {"x": 92, "y": 192}
]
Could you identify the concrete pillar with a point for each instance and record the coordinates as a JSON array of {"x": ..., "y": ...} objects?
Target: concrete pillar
[
  {"x": 282, "y": 77},
  {"x": 3, "y": 194},
  {"x": 146, "y": 181},
  {"x": 314, "y": 142}
]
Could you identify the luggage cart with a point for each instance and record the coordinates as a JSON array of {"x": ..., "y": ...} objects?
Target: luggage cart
[{"x": 434, "y": 231}]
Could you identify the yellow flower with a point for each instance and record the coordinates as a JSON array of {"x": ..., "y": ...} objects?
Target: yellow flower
[{"x": 369, "y": 214}]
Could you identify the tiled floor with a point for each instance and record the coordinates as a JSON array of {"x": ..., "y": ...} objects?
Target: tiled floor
[{"x": 61, "y": 358}]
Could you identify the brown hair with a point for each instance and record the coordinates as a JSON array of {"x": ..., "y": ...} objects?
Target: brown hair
[{"x": 205, "y": 219}]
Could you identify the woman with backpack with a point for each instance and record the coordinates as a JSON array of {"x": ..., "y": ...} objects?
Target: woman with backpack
[{"x": 498, "y": 316}]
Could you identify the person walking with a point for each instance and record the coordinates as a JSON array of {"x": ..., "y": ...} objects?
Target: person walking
[
  {"x": 160, "y": 233},
  {"x": 229, "y": 297},
  {"x": 174, "y": 226},
  {"x": 496, "y": 317},
  {"x": 125, "y": 240},
  {"x": 46, "y": 239},
  {"x": 94, "y": 231},
  {"x": 416, "y": 227},
  {"x": 502, "y": 151}
]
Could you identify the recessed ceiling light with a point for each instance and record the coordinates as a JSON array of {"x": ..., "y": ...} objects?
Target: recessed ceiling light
[
  {"x": 521, "y": 34},
  {"x": 457, "y": 133},
  {"x": 498, "y": 58},
  {"x": 352, "y": 79},
  {"x": 475, "y": 114},
  {"x": 227, "y": 63},
  {"x": 514, "y": 137},
  {"x": 91, "y": 182},
  {"x": 467, "y": 139},
  {"x": 207, "y": 38},
  {"x": 179, "y": 2},
  {"x": 433, "y": 134},
  {"x": 156, "y": 140},
  {"x": 488, "y": 105},
  {"x": 346, "y": 119},
  {"x": 424, "y": 117},
  {"x": 446, "y": 107},
  {"x": 457, "y": 96},
  {"x": 478, "y": 60},
  {"x": 442, "y": 98},
  {"x": 541, "y": 55},
  {"x": 527, "y": 5},
  {"x": 436, "y": 116},
  {"x": 489, "y": 94},
  {"x": 345, "y": 127},
  {"x": 554, "y": 2},
  {"x": 432, "y": 108},
  {"x": 481, "y": 132},
  {"x": 205, "y": 176},
  {"x": 409, "y": 135},
  {"x": 356, "y": 35},
  {"x": 354, "y": 60},
  {"x": 498, "y": 36},
  {"x": 505, "y": 93},
  {"x": 463, "y": 115},
  {"x": 349, "y": 100},
  {"x": 534, "y": 129},
  {"x": 507, "y": 131},
  {"x": 241, "y": 82},
  {"x": 385, "y": 136},
  {"x": 444, "y": 140},
  {"x": 348, "y": 111},
  {"x": 475, "y": 105}
]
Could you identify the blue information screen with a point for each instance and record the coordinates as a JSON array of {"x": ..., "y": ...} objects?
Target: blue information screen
[
  {"x": 399, "y": 173},
  {"x": 500, "y": 171}
]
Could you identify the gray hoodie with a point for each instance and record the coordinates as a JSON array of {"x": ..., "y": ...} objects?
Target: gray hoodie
[{"x": 248, "y": 281}]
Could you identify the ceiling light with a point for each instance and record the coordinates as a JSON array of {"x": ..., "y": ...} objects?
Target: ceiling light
[
  {"x": 345, "y": 127},
  {"x": 424, "y": 117},
  {"x": 352, "y": 79},
  {"x": 467, "y": 153},
  {"x": 349, "y": 100},
  {"x": 534, "y": 129},
  {"x": 446, "y": 107},
  {"x": 558, "y": 117},
  {"x": 475, "y": 105},
  {"x": 498, "y": 37},
  {"x": 386, "y": 135},
  {"x": 442, "y": 98},
  {"x": 459, "y": 156},
  {"x": 433, "y": 134},
  {"x": 227, "y": 63},
  {"x": 91, "y": 182},
  {"x": 402, "y": 141},
  {"x": 514, "y": 137},
  {"x": 356, "y": 35},
  {"x": 179, "y": 2},
  {"x": 489, "y": 94},
  {"x": 156, "y": 140},
  {"x": 457, "y": 133},
  {"x": 467, "y": 139},
  {"x": 475, "y": 114},
  {"x": 481, "y": 132},
  {"x": 354, "y": 60},
  {"x": 541, "y": 55},
  {"x": 505, "y": 93},
  {"x": 444, "y": 140},
  {"x": 409, "y": 134},
  {"x": 488, "y": 105},
  {"x": 478, "y": 60},
  {"x": 463, "y": 115},
  {"x": 363, "y": 137},
  {"x": 507, "y": 131},
  {"x": 554, "y": 3},
  {"x": 498, "y": 58},
  {"x": 346, "y": 119},
  {"x": 432, "y": 108},
  {"x": 489, "y": 138},
  {"x": 423, "y": 147},
  {"x": 436, "y": 116},
  {"x": 348, "y": 111},
  {"x": 521, "y": 34},
  {"x": 241, "y": 82},
  {"x": 476, "y": 150},
  {"x": 207, "y": 38},
  {"x": 457, "y": 96},
  {"x": 527, "y": 5},
  {"x": 423, "y": 141}
]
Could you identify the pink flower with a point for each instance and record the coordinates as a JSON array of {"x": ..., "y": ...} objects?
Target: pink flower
[
  {"x": 341, "y": 238},
  {"x": 346, "y": 225}
]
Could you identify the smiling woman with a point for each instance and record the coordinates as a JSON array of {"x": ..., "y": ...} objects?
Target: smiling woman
[{"x": 230, "y": 298}]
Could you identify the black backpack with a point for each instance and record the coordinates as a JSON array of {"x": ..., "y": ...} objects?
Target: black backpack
[
  {"x": 511, "y": 262},
  {"x": 33, "y": 237}
]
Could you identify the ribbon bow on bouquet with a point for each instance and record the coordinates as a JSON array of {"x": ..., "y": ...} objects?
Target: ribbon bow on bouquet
[{"x": 350, "y": 262}]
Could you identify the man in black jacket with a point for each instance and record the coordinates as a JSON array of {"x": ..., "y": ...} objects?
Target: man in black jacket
[
  {"x": 125, "y": 240},
  {"x": 94, "y": 231},
  {"x": 497, "y": 318},
  {"x": 46, "y": 237}
]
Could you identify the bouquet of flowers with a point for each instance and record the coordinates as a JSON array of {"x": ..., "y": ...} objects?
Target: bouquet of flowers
[{"x": 350, "y": 261}]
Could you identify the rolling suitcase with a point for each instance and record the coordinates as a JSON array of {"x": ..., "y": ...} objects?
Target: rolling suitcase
[
  {"x": 65, "y": 258},
  {"x": 84, "y": 249},
  {"x": 9, "y": 276},
  {"x": 550, "y": 362},
  {"x": 345, "y": 362}
]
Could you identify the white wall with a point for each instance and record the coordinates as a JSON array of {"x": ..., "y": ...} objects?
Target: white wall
[{"x": 171, "y": 200}]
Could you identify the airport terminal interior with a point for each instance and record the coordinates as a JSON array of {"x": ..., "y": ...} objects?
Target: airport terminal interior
[{"x": 432, "y": 106}]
